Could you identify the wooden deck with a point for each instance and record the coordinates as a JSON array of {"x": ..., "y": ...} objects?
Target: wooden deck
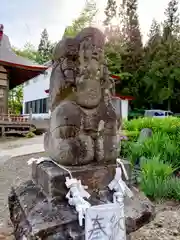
[{"x": 12, "y": 124}]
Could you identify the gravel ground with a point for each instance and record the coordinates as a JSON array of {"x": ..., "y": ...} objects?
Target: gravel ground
[
  {"x": 16, "y": 170},
  {"x": 13, "y": 172},
  {"x": 165, "y": 226}
]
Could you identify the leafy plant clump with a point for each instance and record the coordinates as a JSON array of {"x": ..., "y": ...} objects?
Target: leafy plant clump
[
  {"x": 30, "y": 134},
  {"x": 157, "y": 157},
  {"x": 156, "y": 180},
  {"x": 165, "y": 141}
]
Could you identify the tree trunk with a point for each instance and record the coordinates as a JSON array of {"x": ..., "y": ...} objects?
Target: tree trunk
[{"x": 169, "y": 104}]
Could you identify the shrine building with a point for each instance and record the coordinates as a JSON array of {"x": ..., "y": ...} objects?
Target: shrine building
[{"x": 14, "y": 70}]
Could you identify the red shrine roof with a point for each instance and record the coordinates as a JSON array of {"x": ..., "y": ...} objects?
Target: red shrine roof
[
  {"x": 122, "y": 97},
  {"x": 115, "y": 77},
  {"x": 19, "y": 68}
]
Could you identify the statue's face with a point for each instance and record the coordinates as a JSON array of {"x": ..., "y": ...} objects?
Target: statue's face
[{"x": 88, "y": 81}]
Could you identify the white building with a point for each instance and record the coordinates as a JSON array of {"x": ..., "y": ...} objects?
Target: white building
[{"x": 35, "y": 97}]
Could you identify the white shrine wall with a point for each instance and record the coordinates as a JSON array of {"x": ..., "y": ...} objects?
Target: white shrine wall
[{"x": 34, "y": 94}]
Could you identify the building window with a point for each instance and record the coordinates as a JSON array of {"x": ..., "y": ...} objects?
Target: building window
[
  {"x": 41, "y": 105},
  {"x": 33, "y": 107},
  {"x": 26, "y": 108},
  {"x": 44, "y": 105},
  {"x": 47, "y": 105},
  {"x": 37, "y": 106}
]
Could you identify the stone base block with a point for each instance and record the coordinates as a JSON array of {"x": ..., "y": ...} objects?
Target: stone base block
[
  {"x": 36, "y": 216},
  {"x": 51, "y": 178}
]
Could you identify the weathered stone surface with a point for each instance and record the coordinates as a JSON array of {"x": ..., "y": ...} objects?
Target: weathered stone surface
[
  {"x": 138, "y": 211},
  {"x": 144, "y": 134},
  {"x": 80, "y": 100},
  {"x": 6, "y": 233},
  {"x": 82, "y": 135},
  {"x": 35, "y": 215},
  {"x": 51, "y": 178}
]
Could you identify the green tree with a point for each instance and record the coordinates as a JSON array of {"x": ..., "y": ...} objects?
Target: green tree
[
  {"x": 29, "y": 52},
  {"x": 85, "y": 18},
  {"x": 163, "y": 75},
  {"x": 133, "y": 57},
  {"x": 45, "y": 48},
  {"x": 15, "y": 100},
  {"x": 155, "y": 38},
  {"x": 114, "y": 50},
  {"x": 110, "y": 11},
  {"x": 124, "y": 49},
  {"x": 152, "y": 46},
  {"x": 171, "y": 23}
]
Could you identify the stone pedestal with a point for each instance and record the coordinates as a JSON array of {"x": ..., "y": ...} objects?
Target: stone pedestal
[
  {"x": 38, "y": 208},
  {"x": 51, "y": 178}
]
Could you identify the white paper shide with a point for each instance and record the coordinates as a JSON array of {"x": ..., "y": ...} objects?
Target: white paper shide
[{"x": 76, "y": 196}]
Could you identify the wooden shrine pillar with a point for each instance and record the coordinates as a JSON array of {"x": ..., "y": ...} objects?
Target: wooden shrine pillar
[{"x": 4, "y": 87}]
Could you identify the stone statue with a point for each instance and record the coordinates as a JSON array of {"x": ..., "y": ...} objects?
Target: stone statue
[
  {"x": 54, "y": 204},
  {"x": 83, "y": 124}
]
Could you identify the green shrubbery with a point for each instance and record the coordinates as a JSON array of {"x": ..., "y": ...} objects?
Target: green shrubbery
[
  {"x": 159, "y": 154},
  {"x": 30, "y": 134},
  {"x": 157, "y": 181},
  {"x": 169, "y": 125}
]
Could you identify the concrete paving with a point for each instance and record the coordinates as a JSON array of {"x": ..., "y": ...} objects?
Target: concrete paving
[{"x": 20, "y": 147}]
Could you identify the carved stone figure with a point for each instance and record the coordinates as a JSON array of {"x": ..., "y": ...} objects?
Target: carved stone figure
[
  {"x": 83, "y": 129},
  {"x": 83, "y": 124}
]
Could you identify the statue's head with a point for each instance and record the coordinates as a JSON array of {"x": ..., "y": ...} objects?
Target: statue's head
[
  {"x": 67, "y": 47},
  {"x": 79, "y": 63},
  {"x": 91, "y": 78},
  {"x": 94, "y": 34}
]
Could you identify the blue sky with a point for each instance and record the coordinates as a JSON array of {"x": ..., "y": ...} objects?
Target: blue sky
[{"x": 24, "y": 20}]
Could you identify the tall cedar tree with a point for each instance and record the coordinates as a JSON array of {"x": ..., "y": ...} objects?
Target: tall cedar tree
[
  {"x": 155, "y": 38},
  {"x": 150, "y": 79},
  {"x": 45, "y": 47},
  {"x": 132, "y": 60},
  {"x": 171, "y": 46},
  {"x": 163, "y": 74},
  {"x": 110, "y": 11},
  {"x": 171, "y": 23},
  {"x": 116, "y": 43}
]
